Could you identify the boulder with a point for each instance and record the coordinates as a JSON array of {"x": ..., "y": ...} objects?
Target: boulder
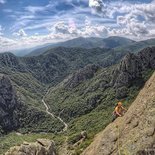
[{"x": 40, "y": 147}]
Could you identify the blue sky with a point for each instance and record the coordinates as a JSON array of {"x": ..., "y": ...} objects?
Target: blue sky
[{"x": 27, "y": 23}]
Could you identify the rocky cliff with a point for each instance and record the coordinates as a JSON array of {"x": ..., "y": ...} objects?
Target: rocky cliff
[
  {"x": 40, "y": 147},
  {"x": 8, "y": 105},
  {"x": 81, "y": 75},
  {"x": 132, "y": 66},
  {"x": 132, "y": 134}
]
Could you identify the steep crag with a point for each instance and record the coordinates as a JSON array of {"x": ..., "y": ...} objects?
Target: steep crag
[{"x": 132, "y": 133}]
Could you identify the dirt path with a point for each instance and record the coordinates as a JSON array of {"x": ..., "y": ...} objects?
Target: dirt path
[{"x": 48, "y": 112}]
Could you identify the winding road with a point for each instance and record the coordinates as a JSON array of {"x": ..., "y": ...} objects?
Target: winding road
[{"x": 54, "y": 116}]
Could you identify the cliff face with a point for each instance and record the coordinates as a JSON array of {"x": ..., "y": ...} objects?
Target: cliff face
[
  {"x": 132, "y": 133},
  {"x": 81, "y": 75},
  {"x": 132, "y": 66},
  {"x": 8, "y": 105}
]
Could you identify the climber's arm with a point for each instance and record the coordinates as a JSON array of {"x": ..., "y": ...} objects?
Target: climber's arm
[{"x": 124, "y": 108}]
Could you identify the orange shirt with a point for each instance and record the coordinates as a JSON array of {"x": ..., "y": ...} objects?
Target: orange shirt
[{"x": 119, "y": 109}]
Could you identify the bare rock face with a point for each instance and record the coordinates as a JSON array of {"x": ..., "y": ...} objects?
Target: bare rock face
[
  {"x": 147, "y": 58},
  {"x": 11, "y": 61},
  {"x": 40, "y": 147},
  {"x": 131, "y": 67},
  {"x": 8, "y": 105},
  {"x": 128, "y": 69},
  {"x": 81, "y": 75},
  {"x": 132, "y": 134}
]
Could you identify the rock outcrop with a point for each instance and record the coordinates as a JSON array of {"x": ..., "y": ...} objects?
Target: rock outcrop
[
  {"x": 8, "y": 105},
  {"x": 9, "y": 60},
  {"x": 40, "y": 147},
  {"x": 81, "y": 75},
  {"x": 132, "y": 134},
  {"x": 132, "y": 66}
]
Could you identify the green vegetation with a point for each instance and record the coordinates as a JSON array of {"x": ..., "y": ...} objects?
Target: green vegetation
[
  {"x": 13, "y": 139},
  {"x": 137, "y": 46},
  {"x": 35, "y": 121},
  {"x": 29, "y": 89},
  {"x": 88, "y": 107},
  {"x": 24, "y": 110}
]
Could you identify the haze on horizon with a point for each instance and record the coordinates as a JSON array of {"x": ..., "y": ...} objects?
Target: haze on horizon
[{"x": 30, "y": 23}]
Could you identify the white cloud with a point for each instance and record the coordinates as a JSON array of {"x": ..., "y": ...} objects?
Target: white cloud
[
  {"x": 91, "y": 30},
  {"x": 96, "y": 5},
  {"x": 34, "y": 9},
  {"x": 136, "y": 19},
  {"x": 6, "y": 44},
  {"x": 69, "y": 30},
  {"x": 20, "y": 33},
  {"x": 62, "y": 28},
  {"x": 2, "y": 1}
]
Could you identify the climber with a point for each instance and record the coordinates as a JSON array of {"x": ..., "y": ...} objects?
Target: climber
[{"x": 119, "y": 111}]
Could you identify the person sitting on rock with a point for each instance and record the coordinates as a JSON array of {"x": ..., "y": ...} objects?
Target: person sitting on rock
[{"x": 119, "y": 111}]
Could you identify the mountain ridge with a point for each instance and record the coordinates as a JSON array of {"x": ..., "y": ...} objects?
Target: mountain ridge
[
  {"x": 88, "y": 43},
  {"x": 55, "y": 64}
]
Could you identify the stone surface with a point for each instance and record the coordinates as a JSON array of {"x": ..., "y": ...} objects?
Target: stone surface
[
  {"x": 40, "y": 147},
  {"x": 132, "y": 65},
  {"x": 81, "y": 75},
  {"x": 132, "y": 133}
]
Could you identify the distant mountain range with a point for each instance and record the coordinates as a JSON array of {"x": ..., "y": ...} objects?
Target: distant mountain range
[
  {"x": 92, "y": 42},
  {"x": 114, "y": 42}
]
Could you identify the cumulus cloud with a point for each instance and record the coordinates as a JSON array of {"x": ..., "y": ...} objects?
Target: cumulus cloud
[
  {"x": 20, "y": 33},
  {"x": 96, "y": 5},
  {"x": 6, "y": 44},
  {"x": 93, "y": 30},
  {"x": 101, "y": 8},
  {"x": 69, "y": 30},
  {"x": 63, "y": 28},
  {"x": 147, "y": 11}
]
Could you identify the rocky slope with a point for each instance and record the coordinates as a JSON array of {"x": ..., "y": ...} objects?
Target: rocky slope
[
  {"x": 8, "y": 105},
  {"x": 86, "y": 102},
  {"x": 132, "y": 65},
  {"x": 40, "y": 147},
  {"x": 55, "y": 64},
  {"x": 82, "y": 75},
  {"x": 132, "y": 133},
  {"x": 87, "y": 88},
  {"x": 16, "y": 115}
]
